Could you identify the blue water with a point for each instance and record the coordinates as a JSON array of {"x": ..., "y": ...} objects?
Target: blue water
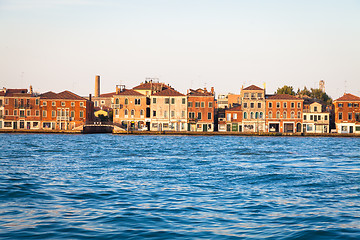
[{"x": 178, "y": 187}]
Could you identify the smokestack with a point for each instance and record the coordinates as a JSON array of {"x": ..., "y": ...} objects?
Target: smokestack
[
  {"x": 97, "y": 86},
  {"x": 31, "y": 90},
  {"x": 212, "y": 90},
  {"x": 89, "y": 96}
]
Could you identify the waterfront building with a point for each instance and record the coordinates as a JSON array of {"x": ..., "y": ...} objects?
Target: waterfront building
[
  {"x": 234, "y": 100},
  {"x": 253, "y": 106},
  {"x": 222, "y": 101},
  {"x": 315, "y": 117},
  {"x": 201, "y": 110},
  {"x": 65, "y": 110},
  {"x": 284, "y": 113},
  {"x": 19, "y": 109},
  {"x": 168, "y": 110},
  {"x": 234, "y": 119},
  {"x": 150, "y": 87},
  {"x": 347, "y": 114},
  {"x": 131, "y": 109}
]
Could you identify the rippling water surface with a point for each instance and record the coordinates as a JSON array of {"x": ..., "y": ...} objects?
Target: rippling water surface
[{"x": 178, "y": 187}]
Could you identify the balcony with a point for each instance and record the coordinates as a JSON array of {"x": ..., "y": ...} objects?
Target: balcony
[
  {"x": 63, "y": 118},
  {"x": 23, "y": 106}
]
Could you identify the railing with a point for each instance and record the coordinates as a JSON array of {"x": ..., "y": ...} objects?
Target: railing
[
  {"x": 63, "y": 118},
  {"x": 24, "y": 106}
]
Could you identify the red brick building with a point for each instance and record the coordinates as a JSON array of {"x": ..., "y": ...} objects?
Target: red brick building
[
  {"x": 347, "y": 114},
  {"x": 234, "y": 119},
  {"x": 19, "y": 109},
  {"x": 65, "y": 110},
  {"x": 201, "y": 110},
  {"x": 284, "y": 113}
]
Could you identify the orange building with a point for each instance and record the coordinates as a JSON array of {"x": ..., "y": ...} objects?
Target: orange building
[
  {"x": 19, "y": 109},
  {"x": 201, "y": 110},
  {"x": 284, "y": 113},
  {"x": 131, "y": 109},
  {"x": 347, "y": 114},
  {"x": 234, "y": 100},
  {"x": 65, "y": 110},
  {"x": 234, "y": 119}
]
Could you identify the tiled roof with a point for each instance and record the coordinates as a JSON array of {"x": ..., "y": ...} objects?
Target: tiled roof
[
  {"x": 14, "y": 91},
  {"x": 150, "y": 86},
  {"x": 348, "y": 97},
  {"x": 107, "y": 94},
  {"x": 61, "y": 95},
  {"x": 129, "y": 92},
  {"x": 284, "y": 97},
  {"x": 253, "y": 87},
  {"x": 199, "y": 92},
  {"x": 236, "y": 108},
  {"x": 168, "y": 92}
]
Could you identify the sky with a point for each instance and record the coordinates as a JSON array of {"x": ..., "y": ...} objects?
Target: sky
[{"x": 58, "y": 45}]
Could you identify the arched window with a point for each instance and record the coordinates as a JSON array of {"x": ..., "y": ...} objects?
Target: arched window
[
  {"x": 116, "y": 101},
  {"x": 126, "y": 101},
  {"x": 252, "y": 115},
  {"x": 270, "y": 114},
  {"x": 292, "y": 114},
  {"x": 284, "y": 114},
  {"x": 256, "y": 115},
  {"x": 299, "y": 114},
  {"x": 245, "y": 115},
  {"x": 126, "y": 113},
  {"x": 277, "y": 114},
  {"x": 141, "y": 112},
  {"x": 132, "y": 113},
  {"x": 261, "y": 115},
  {"x": 116, "y": 112}
]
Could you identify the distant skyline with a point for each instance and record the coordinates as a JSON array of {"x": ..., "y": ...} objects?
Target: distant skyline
[{"x": 58, "y": 45}]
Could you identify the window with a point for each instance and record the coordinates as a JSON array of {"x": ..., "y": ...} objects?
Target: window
[
  {"x": 259, "y": 105},
  {"x": 285, "y": 104},
  {"x": 53, "y": 113},
  {"x": 172, "y": 114},
  {"x": 277, "y": 114},
  {"x": 154, "y": 113},
  {"x": 251, "y": 115},
  {"x": 37, "y": 101},
  {"x": 15, "y": 112},
  {"x": 292, "y": 114},
  {"x": 132, "y": 113},
  {"x": 142, "y": 113},
  {"x": 304, "y": 117},
  {"x": 299, "y": 114},
  {"x": 44, "y": 103},
  {"x": 340, "y": 105},
  {"x": 191, "y": 115},
  {"x": 245, "y": 115},
  {"x": 126, "y": 101},
  {"x": 81, "y": 104},
  {"x": 259, "y": 95},
  {"x": 167, "y": 101},
  {"x": 357, "y": 117},
  {"x": 172, "y": 100},
  {"x": 292, "y": 105},
  {"x": 246, "y": 95},
  {"x": 53, "y": 103},
  {"x": 245, "y": 105},
  {"x": 72, "y": 114},
  {"x": 37, "y": 113},
  {"x": 356, "y": 105},
  {"x": 228, "y": 117},
  {"x": 299, "y": 105},
  {"x": 256, "y": 115},
  {"x": 197, "y": 104},
  {"x": 253, "y": 95},
  {"x": 73, "y": 104},
  {"x": 325, "y": 117},
  {"x": 315, "y": 109},
  {"x": 102, "y": 102},
  {"x": 81, "y": 114},
  {"x": 165, "y": 114},
  {"x": 284, "y": 114},
  {"x": 137, "y": 101},
  {"x": 126, "y": 113},
  {"x": 182, "y": 114},
  {"x": 278, "y": 105},
  {"x": 209, "y": 115},
  {"x": 270, "y": 114},
  {"x": 6, "y": 112},
  {"x": 199, "y": 115},
  {"x": 315, "y": 118},
  {"x": 28, "y": 113},
  {"x": 261, "y": 115},
  {"x": 202, "y": 104},
  {"x": 349, "y": 116},
  {"x": 183, "y": 100},
  {"x": 270, "y": 104},
  {"x": 311, "y": 117},
  {"x": 44, "y": 113},
  {"x": 154, "y": 100},
  {"x": 340, "y": 116},
  {"x": 210, "y": 104},
  {"x": 62, "y": 104},
  {"x": 349, "y": 104},
  {"x": 252, "y": 105},
  {"x": 235, "y": 116}
]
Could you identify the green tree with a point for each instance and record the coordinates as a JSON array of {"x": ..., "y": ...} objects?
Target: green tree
[
  {"x": 320, "y": 95},
  {"x": 303, "y": 92},
  {"x": 285, "y": 90}
]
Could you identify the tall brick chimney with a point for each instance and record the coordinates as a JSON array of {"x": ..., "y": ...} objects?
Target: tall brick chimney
[{"x": 97, "y": 86}]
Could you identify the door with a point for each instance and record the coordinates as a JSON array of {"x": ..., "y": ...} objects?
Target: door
[
  {"x": 205, "y": 127},
  {"x": 22, "y": 124},
  {"x": 15, "y": 125},
  {"x": 351, "y": 129},
  {"x": 28, "y": 125},
  {"x": 298, "y": 127}
]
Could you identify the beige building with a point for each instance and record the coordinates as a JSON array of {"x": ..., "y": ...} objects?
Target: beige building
[
  {"x": 168, "y": 111},
  {"x": 315, "y": 119},
  {"x": 253, "y": 106}
]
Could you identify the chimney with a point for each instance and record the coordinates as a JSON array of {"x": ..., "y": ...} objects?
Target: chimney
[
  {"x": 205, "y": 90},
  {"x": 31, "y": 90},
  {"x": 97, "y": 86},
  {"x": 89, "y": 96},
  {"x": 212, "y": 90}
]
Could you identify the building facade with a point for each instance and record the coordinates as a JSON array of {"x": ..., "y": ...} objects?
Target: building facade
[
  {"x": 253, "y": 106},
  {"x": 234, "y": 119},
  {"x": 315, "y": 118},
  {"x": 347, "y": 114},
  {"x": 168, "y": 111},
  {"x": 284, "y": 113},
  {"x": 201, "y": 110}
]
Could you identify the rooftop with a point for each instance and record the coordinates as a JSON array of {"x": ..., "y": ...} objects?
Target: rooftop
[
  {"x": 348, "y": 97},
  {"x": 284, "y": 97},
  {"x": 62, "y": 95},
  {"x": 253, "y": 87},
  {"x": 168, "y": 92},
  {"x": 129, "y": 92}
]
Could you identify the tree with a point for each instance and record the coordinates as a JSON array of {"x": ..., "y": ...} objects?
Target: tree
[
  {"x": 320, "y": 95},
  {"x": 285, "y": 90},
  {"x": 304, "y": 92}
]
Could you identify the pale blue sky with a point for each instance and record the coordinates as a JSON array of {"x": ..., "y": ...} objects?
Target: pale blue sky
[{"x": 61, "y": 45}]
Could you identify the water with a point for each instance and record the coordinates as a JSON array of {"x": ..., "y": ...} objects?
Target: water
[{"x": 178, "y": 187}]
